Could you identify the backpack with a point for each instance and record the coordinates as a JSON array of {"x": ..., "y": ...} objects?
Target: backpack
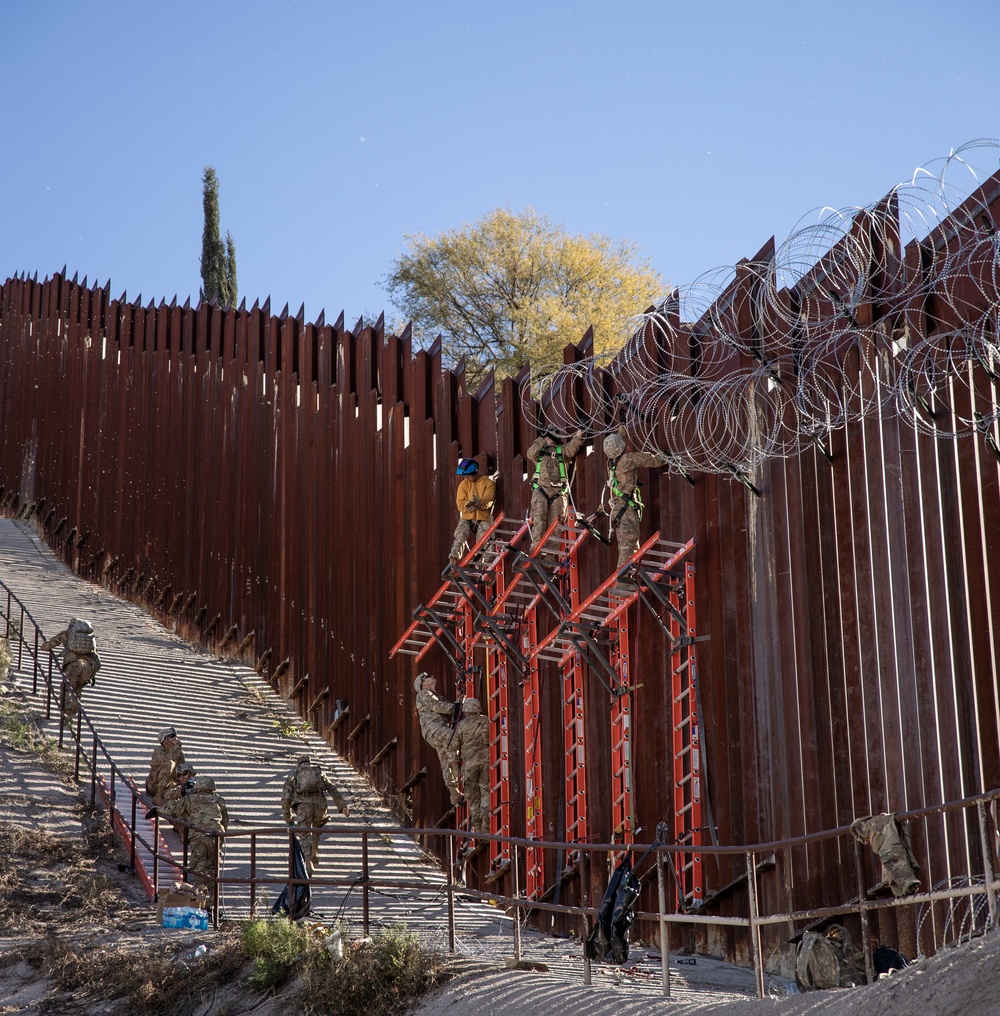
[
  {"x": 885, "y": 960},
  {"x": 615, "y": 916},
  {"x": 308, "y": 780},
  {"x": 80, "y": 638},
  {"x": 828, "y": 961}
]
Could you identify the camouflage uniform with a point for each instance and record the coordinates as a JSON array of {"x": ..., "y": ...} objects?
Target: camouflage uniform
[
  {"x": 474, "y": 500},
  {"x": 163, "y": 765},
  {"x": 303, "y": 801},
  {"x": 183, "y": 773},
  {"x": 888, "y": 839},
  {"x": 205, "y": 809},
  {"x": 472, "y": 742},
  {"x": 623, "y": 478},
  {"x": 550, "y": 487},
  {"x": 79, "y": 669},
  {"x": 435, "y": 725}
]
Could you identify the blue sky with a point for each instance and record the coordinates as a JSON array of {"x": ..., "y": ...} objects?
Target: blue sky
[{"x": 697, "y": 130}]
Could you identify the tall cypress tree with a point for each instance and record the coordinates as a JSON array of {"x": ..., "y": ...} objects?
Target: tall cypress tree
[{"x": 218, "y": 260}]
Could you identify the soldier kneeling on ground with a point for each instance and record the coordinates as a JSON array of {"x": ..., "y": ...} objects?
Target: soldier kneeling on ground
[
  {"x": 183, "y": 782},
  {"x": 203, "y": 809},
  {"x": 167, "y": 756}
]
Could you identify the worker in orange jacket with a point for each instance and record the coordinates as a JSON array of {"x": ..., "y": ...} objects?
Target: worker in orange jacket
[{"x": 474, "y": 501}]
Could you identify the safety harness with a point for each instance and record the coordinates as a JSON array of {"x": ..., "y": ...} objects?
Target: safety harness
[
  {"x": 563, "y": 481},
  {"x": 632, "y": 499}
]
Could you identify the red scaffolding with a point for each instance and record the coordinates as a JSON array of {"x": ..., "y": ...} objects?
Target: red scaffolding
[{"x": 498, "y": 598}]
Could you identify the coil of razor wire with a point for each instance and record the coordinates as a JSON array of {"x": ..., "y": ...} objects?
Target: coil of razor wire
[{"x": 891, "y": 309}]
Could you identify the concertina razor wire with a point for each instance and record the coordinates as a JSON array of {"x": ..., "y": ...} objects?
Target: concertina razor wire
[{"x": 892, "y": 309}]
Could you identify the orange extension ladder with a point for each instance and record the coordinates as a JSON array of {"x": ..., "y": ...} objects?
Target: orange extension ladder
[
  {"x": 664, "y": 576},
  {"x": 498, "y": 635},
  {"x": 547, "y": 579},
  {"x": 672, "y": 596}
]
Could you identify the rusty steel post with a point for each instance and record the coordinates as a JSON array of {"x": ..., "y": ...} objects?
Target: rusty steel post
[
  {"x": 661, "y": 898},
  {"x": 755, "y": 944},
  {"x": 988, "y": 873},
  {"x": 866, "y": 938}
]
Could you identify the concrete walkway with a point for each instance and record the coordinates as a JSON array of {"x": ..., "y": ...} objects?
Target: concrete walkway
[{"x": 235, "y": 729}]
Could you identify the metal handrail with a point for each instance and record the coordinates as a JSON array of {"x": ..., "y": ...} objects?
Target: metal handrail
[
  {"x": 125, "y": 826},
  {"x": 585, "y": 912}
]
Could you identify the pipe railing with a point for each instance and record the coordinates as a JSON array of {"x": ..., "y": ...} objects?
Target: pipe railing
[
  {"x": 520, "y": 907},
  {"x": 107, "y": 778},
  {"x": 373, "y": 885}
]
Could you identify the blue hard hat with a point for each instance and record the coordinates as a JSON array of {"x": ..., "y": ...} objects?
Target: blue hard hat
[{"x": 467, "y": 467}]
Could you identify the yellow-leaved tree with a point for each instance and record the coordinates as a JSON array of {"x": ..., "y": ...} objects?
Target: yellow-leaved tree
[{"x": 514, "y": 287}]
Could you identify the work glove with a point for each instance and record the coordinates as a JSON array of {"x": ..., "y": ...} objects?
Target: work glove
[
  {"x": 93, "y": 681},
  {"x": 151, "y": 814}
]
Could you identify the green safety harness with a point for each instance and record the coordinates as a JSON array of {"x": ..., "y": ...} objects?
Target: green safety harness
[
  {"x": 564, "y": 482},
  {"x": 632, "y": 499}
]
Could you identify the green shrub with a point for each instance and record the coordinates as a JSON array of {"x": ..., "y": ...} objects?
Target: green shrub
[
  {"x": 276, "y": 947},
  {"x": 380, "y": 976}
]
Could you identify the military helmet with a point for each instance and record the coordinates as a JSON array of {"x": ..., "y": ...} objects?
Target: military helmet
[
  {"x": 165, "y": 733},
  {"x": 614, "y": 445},
  {"x": 472, "y": 705},
  {"x": 418, "y": 681},
  {"x": 303, "y": 760},
  {"x": 186, "y": 767},
  {"x": 204, "y": 783}
]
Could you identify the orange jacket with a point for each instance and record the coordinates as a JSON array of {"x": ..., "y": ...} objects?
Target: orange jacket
[{"x": 471, "y": 488}]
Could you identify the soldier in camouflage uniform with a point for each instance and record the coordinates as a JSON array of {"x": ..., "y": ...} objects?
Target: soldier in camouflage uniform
[
  {"x": 472, "y": 742},
  {"x": 304, "y": 804},
  {"x": 435, "y": 724},
  {"x": 167, "y": 756},
  {"x": 80, "y": 662},
  {"x": 184, "y": 776},
  {"x": 550, "y": 486},
  {"x": 626, "y": 501},
  {"x": 204, "y": 808}
]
